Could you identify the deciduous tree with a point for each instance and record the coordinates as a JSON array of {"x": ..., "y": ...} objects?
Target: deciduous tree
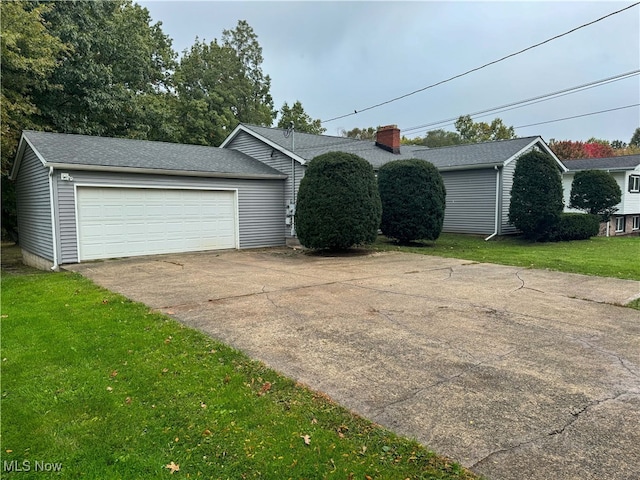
[
  {"x": 596, "y": 192},
  {"x": 475, "y": 132}
]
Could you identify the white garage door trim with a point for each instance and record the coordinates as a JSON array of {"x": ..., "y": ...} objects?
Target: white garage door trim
[{"x": 192, "y": 246}]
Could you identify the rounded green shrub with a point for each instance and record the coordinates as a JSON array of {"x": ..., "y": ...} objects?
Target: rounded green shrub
[
  {"x": 576, "y": 226},
  {"x": 536, "y": 195},
  {"x": 338, "y": 203},
  {"x": 596, "y": 192},
  {"x": 413, "y": 200}
]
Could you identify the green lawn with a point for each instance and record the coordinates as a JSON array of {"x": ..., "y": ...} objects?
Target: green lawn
[
  {"x": 107, "y": 389},
  {"x": 617, "y": 257}
]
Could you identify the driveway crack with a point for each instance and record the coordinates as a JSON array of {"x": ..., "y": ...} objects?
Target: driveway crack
[{"x": 557, "y": 431}]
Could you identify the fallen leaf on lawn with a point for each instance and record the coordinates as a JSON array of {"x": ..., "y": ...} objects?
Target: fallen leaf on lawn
[
  {"x": 127, "y": 400},
  {"x": 5, "y": 316},
  {"x": 227, "y": 379},
  {"x": 109, "y": 389},
  {"x": 265, "y": 388},
  {"x": 173, "y": 467},
  {"x": 306, "y": 438},
  {"x": 314, "y": 421},
  {"x": 207, "y": 432},
  {"x": 105, "y": 300},
  {"x": 367, "y": 477},
  {"x": 364, "y": 449},
  {"x": 9, "y": 451},
  {"x": 167, "y": 340},
  {"x": 114, "y": 373},
  {"x": 177, "y": 439},
  {"x": 203, "y": 405},
  {"x": 170, "y": 312},
  {"x": 165, "y": 370}
]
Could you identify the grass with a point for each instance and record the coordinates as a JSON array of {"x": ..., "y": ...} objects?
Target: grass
[
  {"x": 108, "y": 389},
  {"x": 606, "y": 257}
]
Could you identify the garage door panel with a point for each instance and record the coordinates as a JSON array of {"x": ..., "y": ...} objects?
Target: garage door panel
[{"x": 116, "y": 222}]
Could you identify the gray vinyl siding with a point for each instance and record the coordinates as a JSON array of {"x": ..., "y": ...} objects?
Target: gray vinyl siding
[
  {"x": 34, "y": 206},
  {"x": 471, "y": 200},
  {"x": 260, "y": 203},
  {"x": 259, "y": 150},
  {"x": 507, "y": 183}
]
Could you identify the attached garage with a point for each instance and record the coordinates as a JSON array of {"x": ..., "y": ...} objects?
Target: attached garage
[
  {"x": 121, "y": 222},
  {"x": 84, "y": 198}
]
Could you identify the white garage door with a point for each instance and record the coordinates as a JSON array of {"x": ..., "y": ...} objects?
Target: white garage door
[{"x": 124, "y": 222}]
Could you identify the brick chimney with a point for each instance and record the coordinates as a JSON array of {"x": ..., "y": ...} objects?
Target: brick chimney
[{"x": 388, "y": 138}]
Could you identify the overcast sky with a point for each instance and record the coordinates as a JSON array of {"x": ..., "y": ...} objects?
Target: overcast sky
[{"x": 337, "y": 57}]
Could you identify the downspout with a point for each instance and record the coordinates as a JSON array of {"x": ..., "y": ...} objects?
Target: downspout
[
  {"x": 293, "y": 181},
  {"x": 497, "y": 212},
  {"x": 56, "y": 266}
]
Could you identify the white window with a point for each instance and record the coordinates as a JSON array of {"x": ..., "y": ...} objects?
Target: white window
[
  {"x": 619, "y": 224},
  {"x": 634, "y": 183},
  {"x": 636, "y": 222}
]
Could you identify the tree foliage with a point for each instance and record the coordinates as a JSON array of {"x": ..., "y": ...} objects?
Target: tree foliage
[
  {"x": 536, "y": 196},
  {"x": 256, "y": 105},
  {"x": 593, "y": 148},
  {"x": 368, "y": 133},
  {"x": 338, "y": 202},
  {"x": 635, "y": 138},
  {"x": 413, "y": 196},
  {"x": 298, "y": 117},
  {"x": 596, "y": 192},
  {"x": 476, "y": 132}
]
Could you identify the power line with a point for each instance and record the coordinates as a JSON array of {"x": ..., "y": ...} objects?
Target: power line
[
  {"x": 530, "y": 101},
  {"x": 480, "y": 67},
  {"x": 578, "y": 116}
]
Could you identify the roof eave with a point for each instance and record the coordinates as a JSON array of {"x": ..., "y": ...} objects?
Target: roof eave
[
  {"x": 24, "y": 141},
  {"x": 272, "y": 144},
  {"x": 162, "y": 171}
]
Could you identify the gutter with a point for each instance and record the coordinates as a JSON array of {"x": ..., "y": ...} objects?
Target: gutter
[
  {"x": 158, "y": 171},
  {"x": 56, "y": 266},
  {"x": 497, "y": 212}
]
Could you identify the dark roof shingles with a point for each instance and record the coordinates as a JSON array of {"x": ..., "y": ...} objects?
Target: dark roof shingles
[
  {"x": 624, "y": 162},
  {"x": 110, "y": 152}
]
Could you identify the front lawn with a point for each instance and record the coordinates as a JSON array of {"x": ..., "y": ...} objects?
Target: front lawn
[
  {"x": 103, "y": 388},
  {"x": 606, "y": 257}
]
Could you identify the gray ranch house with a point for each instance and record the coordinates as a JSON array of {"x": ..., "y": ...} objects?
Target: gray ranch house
[
  {"x": 82, "y": 198},
  {"x": 626, "y": 171},
  {"x": 478, "y": 177},
  {"x": 85, "y": 198}
]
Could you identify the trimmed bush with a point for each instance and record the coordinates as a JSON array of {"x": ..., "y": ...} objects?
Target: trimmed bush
[
  {"x": 596, "y": 192},
  {"x": 576, "y": 226},
  {"x": 413, "y": 200},
  {"x": 338, "y": 203},
  {"x": 536, "y": 195}
]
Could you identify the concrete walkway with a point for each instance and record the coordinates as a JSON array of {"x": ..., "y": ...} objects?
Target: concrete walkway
[{"x": 515, "y": 373}]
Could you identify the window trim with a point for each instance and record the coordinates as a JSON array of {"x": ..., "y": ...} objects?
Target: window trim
[
  {"x": 635, "y": 224},
  {"x": 620, "y": 230},
  {"x": 634, "y": 183}
]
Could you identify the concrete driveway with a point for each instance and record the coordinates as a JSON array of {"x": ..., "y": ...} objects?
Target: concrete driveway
[{"x": 515, "y": 373}]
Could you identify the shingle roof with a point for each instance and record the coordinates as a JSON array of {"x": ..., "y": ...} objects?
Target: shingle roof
[
  {"x": 624, "y": 162},
  {"x": 117, "y": 153},
  {"x": 309, "y": 146}
]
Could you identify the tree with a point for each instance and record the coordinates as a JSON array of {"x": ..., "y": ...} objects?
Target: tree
[
  {"x": 596, "y": 192},
  {"x": 475, "y": 132},
  {"x": 441, "y": 138},
  {"x": 413, "y": 196},
  {"x": 256, "y": 106},
  {"x": 210, "y": 84},
  {"x": 593, "y": 148},
  {"x": 635, "y": 139},
  {"x": 368, "y": 133},
  {"x": 536, "y": 195},
  {"x": 301, "y": 121},
  {"x": 116, "y": 57},
  {"x": 338, "y": 202},
  {"x": 29, "y": 55}
]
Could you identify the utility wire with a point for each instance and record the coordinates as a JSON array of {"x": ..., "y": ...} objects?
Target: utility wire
[
  {"x": 529, "y": 101},
  {"x": 578, "y": 116},
  {"x": 480, "y": 67}
]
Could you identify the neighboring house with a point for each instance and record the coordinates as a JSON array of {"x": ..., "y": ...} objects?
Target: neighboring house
[
  {"x": 85, "y": 198},
  {"x": 478, "y": 177},
  {"x": 626, "y": 171}
]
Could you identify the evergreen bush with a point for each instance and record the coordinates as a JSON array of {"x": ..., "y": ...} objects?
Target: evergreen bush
[
  {"x": 413, "y": 200},
  {"x": 576, "y": 226},
  {"x": 596, "y": 192},
  {"x": 338, "y": 203},
  {"x": 536, "y": 196}
]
